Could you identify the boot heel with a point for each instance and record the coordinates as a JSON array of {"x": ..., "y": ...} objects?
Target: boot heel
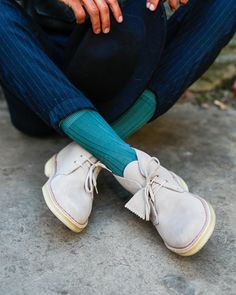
[{"x": 49, "y": 169}]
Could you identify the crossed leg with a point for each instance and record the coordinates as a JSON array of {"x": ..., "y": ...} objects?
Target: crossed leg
[{"x": 197, "y": 33}]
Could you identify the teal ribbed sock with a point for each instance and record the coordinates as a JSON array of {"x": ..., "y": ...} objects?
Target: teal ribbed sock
[
  {"x": 93, "y": 133},
  {"x": 137, "y": 116}
]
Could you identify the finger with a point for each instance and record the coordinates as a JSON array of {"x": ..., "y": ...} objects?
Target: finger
[
  {"x": 115, "y": 8},
  {"x": 93, "y": 12},
  {"x": 152, "y": 4},
  {"x": 183, "y": 2},
  {"x": 78, "y": 10},
  {"x": 104, "y": 15},
  {"x": 173, "y": 4}
]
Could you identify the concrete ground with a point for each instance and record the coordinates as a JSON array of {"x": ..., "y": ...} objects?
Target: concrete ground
[{"x": 119, "y": 254}]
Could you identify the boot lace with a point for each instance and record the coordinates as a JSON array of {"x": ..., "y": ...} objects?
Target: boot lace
[
  {"x": 91, "y": 181},
  {"x": 153, "y": 185}
]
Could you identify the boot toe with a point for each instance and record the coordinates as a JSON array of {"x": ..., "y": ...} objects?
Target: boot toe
[{"x": 190, "y": 223}]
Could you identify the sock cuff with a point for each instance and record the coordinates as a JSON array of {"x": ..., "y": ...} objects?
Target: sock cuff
[
  {"x": 149, "y": 95},
  {"x": 71, "y": 119}
]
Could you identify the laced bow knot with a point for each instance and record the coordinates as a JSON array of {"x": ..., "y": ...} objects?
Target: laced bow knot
[
  {"x": 154, "y": 172},
  {"x": 91, "y": 181},
  {"x": 153, "y": 185}
]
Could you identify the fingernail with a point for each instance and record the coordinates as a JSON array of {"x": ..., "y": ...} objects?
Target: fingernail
[
  {"x": 97, "y": 31},
  {"x": 152, "y": 7},
  {"x": 106, "y": 31},
  {"x": 148, "y": 4},
  {"x": 120, "y": 20}
]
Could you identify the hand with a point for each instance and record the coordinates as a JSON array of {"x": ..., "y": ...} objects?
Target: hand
[
  {"x": 152, "y": 4},
  {"x": 98, "y": 10}
]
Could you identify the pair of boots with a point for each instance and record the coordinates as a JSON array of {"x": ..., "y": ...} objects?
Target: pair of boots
[{"x": 184, "y": 221}]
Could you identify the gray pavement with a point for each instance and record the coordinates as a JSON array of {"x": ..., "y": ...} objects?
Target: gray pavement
[{"x": 119, "y": 254}]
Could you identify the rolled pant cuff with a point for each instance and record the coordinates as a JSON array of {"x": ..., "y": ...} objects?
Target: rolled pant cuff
[{"x": 65, "y": 109}]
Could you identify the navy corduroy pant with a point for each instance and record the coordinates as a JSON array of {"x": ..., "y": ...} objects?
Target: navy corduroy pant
[{"x": 39, "y": 94}]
